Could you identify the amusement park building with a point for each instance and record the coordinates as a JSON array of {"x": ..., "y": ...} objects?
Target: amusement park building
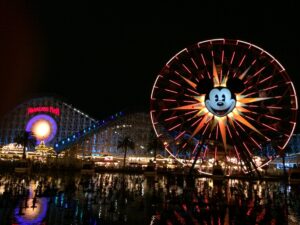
[
  {"x": 62, "y": 118},
  {"x": 65, "y": 127}
]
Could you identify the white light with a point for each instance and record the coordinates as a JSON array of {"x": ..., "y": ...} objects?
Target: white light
[{"x": 41, "y": 129}]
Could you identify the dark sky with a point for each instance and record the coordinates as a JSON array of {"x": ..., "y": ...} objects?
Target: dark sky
[{"x": 102, "y": 58}]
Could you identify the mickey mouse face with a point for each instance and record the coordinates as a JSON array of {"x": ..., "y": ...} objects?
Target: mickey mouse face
[{"x": 220, "y": 101}]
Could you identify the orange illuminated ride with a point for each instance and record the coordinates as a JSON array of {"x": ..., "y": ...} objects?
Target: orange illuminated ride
[{"x": 225, "y": 100}]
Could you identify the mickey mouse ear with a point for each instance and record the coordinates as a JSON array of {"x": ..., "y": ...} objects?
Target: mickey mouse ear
[
  {"x": 235, "y": 85},
  {"x": 204, "y": 86}
]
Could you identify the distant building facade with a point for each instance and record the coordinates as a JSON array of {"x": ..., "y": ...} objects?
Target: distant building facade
[{"x": 137, "y": 126}]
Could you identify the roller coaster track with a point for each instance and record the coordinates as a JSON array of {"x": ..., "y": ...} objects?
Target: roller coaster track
[{"x": 85, "y": 133}]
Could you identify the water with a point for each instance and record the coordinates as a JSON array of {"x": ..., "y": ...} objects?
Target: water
[{"x": 112, "y": 198}]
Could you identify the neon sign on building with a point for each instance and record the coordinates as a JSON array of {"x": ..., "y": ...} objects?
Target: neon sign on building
[{"x": 48, "y": 109}]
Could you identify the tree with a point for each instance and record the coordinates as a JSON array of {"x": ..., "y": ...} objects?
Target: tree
[
  {"x": 154, "y": 144},
  {"x": 26, "y": 139},
  {"x": 281, "y": 152},
  {"x": 124, "y": 144}
]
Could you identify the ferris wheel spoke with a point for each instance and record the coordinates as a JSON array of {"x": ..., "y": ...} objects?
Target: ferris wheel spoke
[
  {"x": 171, "y": 91},
  {"x": 272, "y": 117},
  {"x": 203, "y": 121},
  {"x": 237, "y": 153},
  {"x": 192, "y": 91},
  {"x": 203, "y": 60},
  {"x": 198, "y": 106},
  {"x": 215, "y": 74},
  {"x": 174, "y": 82},
  {"x": 250, "y": 100},
  {"x": 239, "y": 118},
  {"x": 271, "y": 88},
  {"x": 240, "y": 126},
  {"x": 205, "y": 129},
  {"x": 250, "y": 77},
  {"x": 222, "y": 125},
  {"x": 232, "y": 58},
  {"x": 194, "y": 63},
  {"x": 171, "y": 118},
  {"x": 174, "y": 127},
  {"x": 216, "y": 150},
  {"x": 179, "y": 135},
  {"x": 256, "y": 143},
  {"x": 207, "y": 71},
  {"x": 222, "y": 61},
  {"x": 241, "y": 62},
  {"x": 248, "y": 150},
  {"x": 265, "y": 79},
  {"x": 186, "y": 68},
  {"x": 189, "y": 82}
]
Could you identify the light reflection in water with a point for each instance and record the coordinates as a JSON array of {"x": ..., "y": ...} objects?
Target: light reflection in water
[
  {"x": 32, "y": 215},
  {"x": 30, "y": 209},
  {"x": 107, "y": 199}
]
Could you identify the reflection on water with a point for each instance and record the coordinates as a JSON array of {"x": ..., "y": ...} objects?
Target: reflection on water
[
  {"x": 29, "y": 209},
  {"x": 135, "y": 199}
]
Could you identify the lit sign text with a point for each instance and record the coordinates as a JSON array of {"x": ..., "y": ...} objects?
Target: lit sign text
[{"x": 47, "y": 109}]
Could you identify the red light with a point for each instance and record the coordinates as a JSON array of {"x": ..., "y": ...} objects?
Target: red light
[{"x": 48, "y": 109}]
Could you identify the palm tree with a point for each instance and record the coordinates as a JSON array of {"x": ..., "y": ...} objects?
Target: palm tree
[
  {"x": 125, "y": 143},
  {"x": 154, "y": 144},
  {"x": 26, "y": 139},
  {"x": 281, "y": 152}
]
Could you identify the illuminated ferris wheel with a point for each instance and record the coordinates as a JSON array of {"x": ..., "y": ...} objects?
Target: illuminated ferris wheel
[{"x": 225, "y": 100}]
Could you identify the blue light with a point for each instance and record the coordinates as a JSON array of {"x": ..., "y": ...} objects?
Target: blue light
[
  {"x": 74, "y": 136},
  {"x": 38, "y": 218},
  {"x": 63, "y": 142},
  {"x": 56, "y": 145},
  {"x": 68, "y": 139},
  {"x": 84, "y": 131}
]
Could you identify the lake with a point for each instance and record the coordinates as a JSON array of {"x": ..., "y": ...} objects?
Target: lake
[{"x": 133, "y": 199}]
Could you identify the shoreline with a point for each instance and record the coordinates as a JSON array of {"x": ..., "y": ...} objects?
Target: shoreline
[{"x": 9, "y": 168}]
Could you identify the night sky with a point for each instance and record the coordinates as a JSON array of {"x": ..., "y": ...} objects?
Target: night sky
[{"x": 103, "y": 58}]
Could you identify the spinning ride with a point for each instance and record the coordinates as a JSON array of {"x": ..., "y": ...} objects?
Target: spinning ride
[{"x": 225, "y": 100}]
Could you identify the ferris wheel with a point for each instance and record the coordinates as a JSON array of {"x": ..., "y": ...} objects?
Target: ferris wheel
[{"x": 225, "y": 100}]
